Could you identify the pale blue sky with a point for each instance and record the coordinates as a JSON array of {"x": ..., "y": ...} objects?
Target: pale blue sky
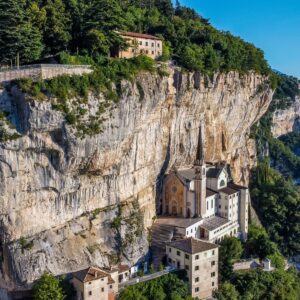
[{"x": 272, "y": 25}]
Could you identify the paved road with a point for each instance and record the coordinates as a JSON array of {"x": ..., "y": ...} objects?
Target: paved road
[{"x": 145, "y": 278}]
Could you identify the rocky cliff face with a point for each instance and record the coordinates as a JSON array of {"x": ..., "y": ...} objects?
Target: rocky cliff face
[
  {"x": 287, "y": 120},
  {"x": 66, "y": 203}
]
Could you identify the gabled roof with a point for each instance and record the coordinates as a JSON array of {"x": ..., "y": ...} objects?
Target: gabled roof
[
  {"x": 188, "y": 174},
  {"x": 215, "y": 172},
  {"x": 139, "y": 35},
  {"x": 228, "y": 191},
  {"x": 192, "y": 246},
  {"x": 210, "y": 193},
  {"x": 213, "y": 223},
  {"x": 236, "y": 186},
  {"x": 90, "y": 274},
  {"x": 123, "y": 268}
]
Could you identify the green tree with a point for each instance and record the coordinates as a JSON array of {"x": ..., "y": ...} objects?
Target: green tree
[
  {"x": 230, "y": 248},
  {"x": 102, "y": 18},
  {"x": 17, "y": 34},
  {"x": 48, "y": 288},
  {"x": 226, "y": 291},
  {"x": 57, "y": 27}
]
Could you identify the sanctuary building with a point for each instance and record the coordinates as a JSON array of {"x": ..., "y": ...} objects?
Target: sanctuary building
[{"x": 205, "y": 191}]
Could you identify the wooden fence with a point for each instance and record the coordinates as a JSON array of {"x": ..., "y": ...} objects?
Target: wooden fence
[{"x": 43, "y": 71}]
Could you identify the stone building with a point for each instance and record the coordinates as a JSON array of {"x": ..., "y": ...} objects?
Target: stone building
[
  {"x": 140, "y": 44},
  {"x": 205, "y": 191},
  {"x": 200, "y": 260},
  {"x": 94, "y": 284}
]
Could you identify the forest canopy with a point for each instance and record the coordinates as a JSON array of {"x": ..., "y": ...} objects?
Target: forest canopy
[{"x": 36, "y": 29}]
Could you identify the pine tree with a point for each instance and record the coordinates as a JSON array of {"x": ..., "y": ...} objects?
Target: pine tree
[
  {"x": 57, "y": 28},
  {"x": 17, "y": 35}
]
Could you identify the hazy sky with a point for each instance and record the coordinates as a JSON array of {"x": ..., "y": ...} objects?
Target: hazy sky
[{"x": 272, "y": 25}]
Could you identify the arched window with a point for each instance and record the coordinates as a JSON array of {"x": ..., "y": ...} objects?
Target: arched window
[{"x": 222, "y": 183}]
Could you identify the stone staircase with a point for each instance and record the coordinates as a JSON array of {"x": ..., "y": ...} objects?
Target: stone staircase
[{"x": 161, "y": 234}]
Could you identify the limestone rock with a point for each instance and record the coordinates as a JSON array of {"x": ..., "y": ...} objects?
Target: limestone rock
[
  {"x": 287, "y": 120},
  {"x": 59, "y": 194}
]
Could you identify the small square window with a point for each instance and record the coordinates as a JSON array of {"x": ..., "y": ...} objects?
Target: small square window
[
  {"x": 213, "y": 252},
  {"x": 187, "y": 256},
  {"x": 152, "y": 52},
  {"x": 212, "y": 284},
  {"x": 197, "y": 279},
  {"x": 141, "y": 43},
  {"x": 187, "y": 267},
  {"x": 102, "y": 290},
  {"x": 110, "y": 286},
  {"x": 213, "y": 274},
  {"x": 196, "y": 268},
  {"x": 196, "y": 289},
  {"x": 178, "y": 253},
  {"x": 90, "y": 282},
  {"x": 197, "y": 256},
  {"x": 146, "y": 43},
  {"x": 213, "y": 263}
]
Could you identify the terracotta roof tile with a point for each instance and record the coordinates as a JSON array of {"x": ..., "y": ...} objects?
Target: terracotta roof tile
[
  {"x": 228, "y": 191},
  {"x": 90, "y": 274},
  {"x": 123, "y": 268},
  {"x": 139, "y": 35},
  {"x": 192, "y": 245}
]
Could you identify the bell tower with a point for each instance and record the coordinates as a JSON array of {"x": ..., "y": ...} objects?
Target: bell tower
[{"x": 200, "y": 176}]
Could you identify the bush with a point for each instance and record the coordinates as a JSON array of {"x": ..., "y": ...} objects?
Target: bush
[{"x": 48, "y": 287}]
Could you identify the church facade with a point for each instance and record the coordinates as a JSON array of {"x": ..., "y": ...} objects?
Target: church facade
[{"x": 205, "y": 191}]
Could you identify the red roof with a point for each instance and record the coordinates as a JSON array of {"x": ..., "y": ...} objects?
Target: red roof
[{"x": 140, "y": 35}]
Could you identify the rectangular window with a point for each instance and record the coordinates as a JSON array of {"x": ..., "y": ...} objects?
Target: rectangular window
[
  {"x": 212, "y": 203},
  {"x": 110, "y": 286},
  {"x": 187, "y": 232},
  {"x": 146, "y": 43},
  {"x": 170, "y": 250},
  {"x": 152, "y": 52},
  {"x": 152, "y": 44},
  {"x": 158, "y": 45},
  {"x": 225, "y": 206},
  {"x": 213, "y": 274},
  {"x": 141, "y": 43},
  {"x": 197, "y": 256},
  {"x": 212, "y": 284},
  {"x": 196, "y": 290},
  {"x": 213, "y": 263},
  {"x": 102, "y": 290},
  {"x": 187, "y": 256},
  {"x": 207, "y": 205},
  {"x": 213, "y": 252},
  {"x": 90, "y": 293},
  {"x": 205, "y": 254},
  {"x": 197, "y": 279},
  {"x": 178, "y": 253},
  {"x": 187, "y": 267},
  {"x": 196, "y": 268},
  {"x": 220, "y": 206}
]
